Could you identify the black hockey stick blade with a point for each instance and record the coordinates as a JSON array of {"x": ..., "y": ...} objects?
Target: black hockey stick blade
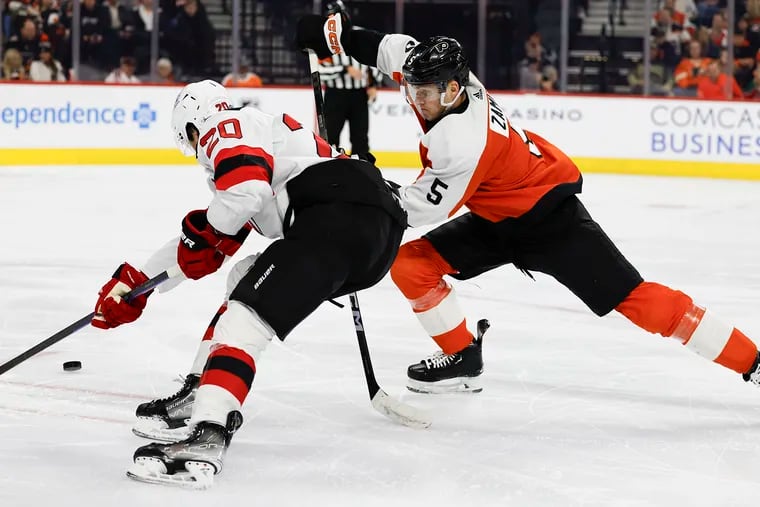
[
  {"x": 81, "y": 323},
  {"x": 390, "y": 407}
]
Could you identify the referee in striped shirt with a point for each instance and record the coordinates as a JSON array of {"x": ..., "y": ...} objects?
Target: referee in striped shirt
[{"x": 350, "y": 86}]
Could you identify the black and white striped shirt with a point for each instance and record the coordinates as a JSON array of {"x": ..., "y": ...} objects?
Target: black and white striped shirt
[{"x": 332, "y": 72}]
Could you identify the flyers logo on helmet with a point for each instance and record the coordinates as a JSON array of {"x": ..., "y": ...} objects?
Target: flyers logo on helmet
[{"x": 441, "y": 47}]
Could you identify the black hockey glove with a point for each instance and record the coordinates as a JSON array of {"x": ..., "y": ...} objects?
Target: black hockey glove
[
  {"x": 393, "y": 187},
  {"x": 325, "y": 35}
]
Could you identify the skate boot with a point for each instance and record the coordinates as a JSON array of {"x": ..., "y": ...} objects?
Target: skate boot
[
  {"x": 450, "y": 373},
  {"x": 165, "y": 419},
  {"x": 753, "y": 375},
  {"x": 190, "y": 463}
]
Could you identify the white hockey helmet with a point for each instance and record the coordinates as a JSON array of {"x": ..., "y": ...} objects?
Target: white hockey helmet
[{"x": 196, "y": 102}]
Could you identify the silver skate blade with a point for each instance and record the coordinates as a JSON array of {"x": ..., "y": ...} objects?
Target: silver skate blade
[
  {"x": 156, "y": 430},
  {"x": 198, "y": 475},
  {"x": 399, "y": 412},
  {"x": 453, "y": 385}
]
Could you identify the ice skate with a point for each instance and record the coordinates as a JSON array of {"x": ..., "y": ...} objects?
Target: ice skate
[
  {"x": 450, "y": 373},
  {"x": 190, "y": 463},
  {"x": 165, "y": 419},
  {"x": 753, "y": 375}
]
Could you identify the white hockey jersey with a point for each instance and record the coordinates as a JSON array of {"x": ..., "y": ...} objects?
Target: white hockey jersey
[
  {"x": 475, "y": 157},
  {"x": 249, "y": 157}
]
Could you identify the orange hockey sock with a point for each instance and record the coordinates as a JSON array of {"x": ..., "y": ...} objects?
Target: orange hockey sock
[{"x": 660, "y": 309}]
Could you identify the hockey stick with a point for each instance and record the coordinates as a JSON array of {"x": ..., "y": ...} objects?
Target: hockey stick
[
  {"x": 81, "y": 323},
  {"x": 381, "y": 401}
]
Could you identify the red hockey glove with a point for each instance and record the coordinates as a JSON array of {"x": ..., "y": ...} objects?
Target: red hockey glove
[
  {"x": 111, "y": 310},
  {"x": 202, "y": 248}
]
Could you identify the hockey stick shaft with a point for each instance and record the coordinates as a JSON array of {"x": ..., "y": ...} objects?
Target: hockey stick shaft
[
  {"x": 369, "y": 372},
  {"x": 386, "y": 405},
  {"x": 319, "y": 101},
  {"x": 319, "y": 104},
  {"x": 81, "y": 323}
]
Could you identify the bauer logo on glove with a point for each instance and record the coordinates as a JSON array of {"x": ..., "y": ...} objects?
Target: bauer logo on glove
[
  {"x": 188, "y": 242},
  {"x": 202, "y": 249}
]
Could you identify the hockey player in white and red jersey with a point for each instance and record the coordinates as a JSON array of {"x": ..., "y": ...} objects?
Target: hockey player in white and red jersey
[
  {"x": 523, "y": 209},
  {"x": 338, "y": 227}
]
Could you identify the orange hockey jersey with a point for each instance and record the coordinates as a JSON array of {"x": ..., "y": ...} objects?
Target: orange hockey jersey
[{"x": 476, "y": 157}]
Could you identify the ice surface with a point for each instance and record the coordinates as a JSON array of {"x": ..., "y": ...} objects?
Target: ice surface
[{"x": 576, "y": 410}]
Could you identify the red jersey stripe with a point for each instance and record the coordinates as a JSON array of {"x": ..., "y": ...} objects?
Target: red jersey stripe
[
  {"x": 243, "y": 150},
  {"x": 241, "y": 174}
]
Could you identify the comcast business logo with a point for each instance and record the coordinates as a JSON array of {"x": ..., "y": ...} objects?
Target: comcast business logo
[{"x": 144, "y": 115}]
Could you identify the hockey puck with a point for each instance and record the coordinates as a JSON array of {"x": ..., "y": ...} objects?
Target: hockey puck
[{"x": 72, "y": 365}]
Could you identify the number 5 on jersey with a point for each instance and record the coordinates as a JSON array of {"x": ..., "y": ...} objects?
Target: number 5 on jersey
[{"x": 435, "y": 195}]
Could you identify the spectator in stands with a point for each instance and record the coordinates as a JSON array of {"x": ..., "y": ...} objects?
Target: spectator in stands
[
  {"x": 744, "y": 54},
  {"x": 673, "y": 30},
  {"x": 677, "y": 16},
  {"x": 191, "y": 38},
  {"x": 125, "y": 73},
  {"x": 46, "y": 68},
  {"x": 165, "y": 71},
  {"x": 535, "y": 49},
  {"x": 689, "y": 70},
  {"x": 753, "y": 23},
  {"x": 143, "y": 18},
  {"x": 27, "y": 42},
  {"x": 94, "y": 23},
  {"x": 667, "y": 53},
  {"x": 5, "y": 19},
  {"x": 57, "y": 33},
  {"x": 687, "y": 7},
  {"x": 717, "y": 35},
  {"x": 706, "y": 11},
  {"x": 119, "y": 35},
  {"x": 660, "y": 78},
  {"x": 713, "y": 84},
  {"x": 244, "y": 78},
  {"x": 13, "y": 66},
  {"x": 18, "y": 12},
  {"x": 754, "y": 86},
  {"x": 549, "y": 76},
  {"x": 530, "y": 74}
]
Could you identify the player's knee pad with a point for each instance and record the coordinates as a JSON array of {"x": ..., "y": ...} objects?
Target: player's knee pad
[
  {"x": 418, "y": 268},
  {"x": 238, "y": 271},
  {"x": 242, "y": 328},
  {"x": 655, "y": 307}
]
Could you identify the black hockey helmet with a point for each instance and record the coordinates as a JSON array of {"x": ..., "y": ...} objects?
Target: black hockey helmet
[
  {"x": 337, "y": 7},
  {"x": 334, "y": 7},
  {"x": 436, "y": 59}
]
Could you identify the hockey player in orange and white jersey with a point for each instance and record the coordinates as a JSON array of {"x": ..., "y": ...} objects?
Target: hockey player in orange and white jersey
[
  {"x": 523, "y": 209},
  {"x": 338, "y": 227}
]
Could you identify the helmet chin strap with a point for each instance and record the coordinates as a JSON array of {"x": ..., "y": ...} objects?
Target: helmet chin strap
[{"x": 448, "y": 105}]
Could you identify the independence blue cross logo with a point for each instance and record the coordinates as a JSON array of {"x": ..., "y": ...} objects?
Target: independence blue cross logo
[{"x": 144, "y": 115}]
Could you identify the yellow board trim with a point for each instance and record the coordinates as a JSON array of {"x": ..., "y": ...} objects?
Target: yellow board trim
[
  {"x": 92, "y": 156},
  {"x": 127, "y": 156}
]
